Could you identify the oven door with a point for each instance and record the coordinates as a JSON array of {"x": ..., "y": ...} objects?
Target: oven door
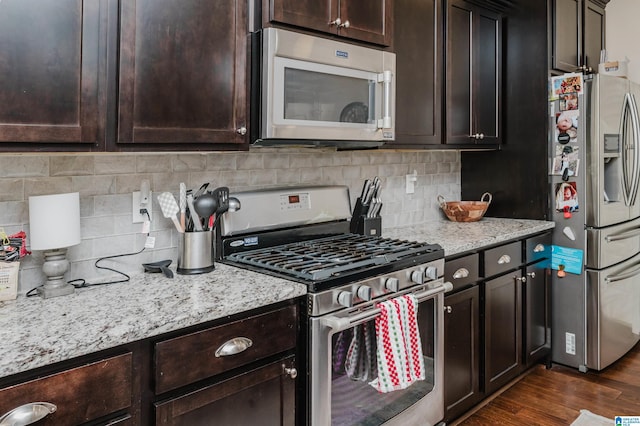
[
  {"x": 320, "y": 89},
  {"x": 337, "y": 399}
]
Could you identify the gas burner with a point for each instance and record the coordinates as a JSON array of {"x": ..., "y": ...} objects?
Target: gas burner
[{"x": 336, "y": 257}]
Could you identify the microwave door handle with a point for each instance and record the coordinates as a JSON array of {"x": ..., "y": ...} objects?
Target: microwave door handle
[
  {"x": 385, "y": 78},
  {"x": 635, "y": 125}
]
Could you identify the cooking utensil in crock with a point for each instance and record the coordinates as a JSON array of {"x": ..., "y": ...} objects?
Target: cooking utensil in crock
[
  {"x": 170, "y": 208},
  {"x": 206, "y": 205}
]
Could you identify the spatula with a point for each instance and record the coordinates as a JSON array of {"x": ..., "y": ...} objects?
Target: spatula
[{"x": 170, "y": 208}]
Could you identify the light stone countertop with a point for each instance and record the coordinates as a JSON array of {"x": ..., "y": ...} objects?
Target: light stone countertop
[
  {"x": 35, "y": 332},
  {"x": 460, "y": 237}
]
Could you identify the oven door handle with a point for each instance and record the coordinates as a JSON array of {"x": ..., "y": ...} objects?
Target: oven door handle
[{"x": 339, "y": 324}]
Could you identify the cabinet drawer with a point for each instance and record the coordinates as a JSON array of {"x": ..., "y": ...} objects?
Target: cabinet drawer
[
  {"x": 538, "y": 248},
  {"x": 503, "y": 258},
  {"x": 462, "y": 271},
  {"x": 80, "y": 394},
  {"x": 192, "y": 357},
  {"x": 263, "y": 396}
]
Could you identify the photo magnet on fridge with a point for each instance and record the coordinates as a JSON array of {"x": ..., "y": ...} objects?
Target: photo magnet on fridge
[
  {"x": 567, "y": 83},
  {"x": 566, "y": 197},
  {"x": 566, "y": 259},
  {"x": 565, "y": 161},
  {"x": 567, "y": 126}
]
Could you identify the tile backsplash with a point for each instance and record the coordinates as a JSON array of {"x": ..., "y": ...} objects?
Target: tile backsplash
[{"x": 105, "y": 183}]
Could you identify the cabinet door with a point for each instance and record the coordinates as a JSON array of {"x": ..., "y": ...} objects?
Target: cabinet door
[
  {"x": 419, "y": 47},
  {"x": 264, "y": 396},
  {"x": 461, "y": 352},
  {"x": 311, "y": 14},
  {"x": 182, "y": 72},
  {"x": 566, "y": 16},
  {"x": 474, "y": 77},
  {"x": 503, "y": 330},
  {"x": 593, "y": 32},
  {"x": 537, "y": 313},
  {"x": 51, "y": 64},
  {"x": 370, "y": 21}
]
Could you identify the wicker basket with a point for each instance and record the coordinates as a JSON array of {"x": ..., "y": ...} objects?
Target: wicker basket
[{"x": 465, "y": 211}]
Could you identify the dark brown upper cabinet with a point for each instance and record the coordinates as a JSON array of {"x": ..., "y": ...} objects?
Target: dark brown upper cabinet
[
  {"x": 473, "y": 75},
  {"x": 419, "y": 45},
  {"x": 51, "y": 63},
  {"x": 577, "y": 34},
  {"x": 182, "y": 74},
  {"x": 370, "y": 21}
]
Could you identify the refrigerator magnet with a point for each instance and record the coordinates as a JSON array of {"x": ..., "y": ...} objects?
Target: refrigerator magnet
[
  {"x": 566, "y": 161},
  {"x": 566, "y": 197},
  {"x": 566, "y": 259},
  {"x": 568, "y": 102},
  {"x": 567, "y": 126},
  {"x": 567, "y": 83}
]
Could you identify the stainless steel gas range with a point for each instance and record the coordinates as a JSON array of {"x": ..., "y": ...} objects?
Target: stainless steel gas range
[{"x": 302, "y": 234}]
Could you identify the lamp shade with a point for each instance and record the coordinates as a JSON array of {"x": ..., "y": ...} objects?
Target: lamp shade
[{"x": 54, "y": 221}]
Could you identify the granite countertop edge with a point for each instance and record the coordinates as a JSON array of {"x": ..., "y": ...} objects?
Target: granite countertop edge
[{"x": 37, "y": 332}]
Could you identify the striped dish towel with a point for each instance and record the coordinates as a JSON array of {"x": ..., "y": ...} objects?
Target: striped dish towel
[{"x": 400, "y": 361}]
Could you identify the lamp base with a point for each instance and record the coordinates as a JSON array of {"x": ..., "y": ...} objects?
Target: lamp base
[
  {"x": 47, "y": 293},
  {"x": 54, "y": 267}
]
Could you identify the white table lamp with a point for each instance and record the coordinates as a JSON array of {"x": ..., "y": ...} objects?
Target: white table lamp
[{"x": 54, "y": 222}]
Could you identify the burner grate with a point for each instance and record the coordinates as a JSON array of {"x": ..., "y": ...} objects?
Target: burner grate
[{"x": 324, "y": 258}]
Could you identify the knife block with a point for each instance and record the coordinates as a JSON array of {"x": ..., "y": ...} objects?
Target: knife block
[{"x": 371, "y": 226}]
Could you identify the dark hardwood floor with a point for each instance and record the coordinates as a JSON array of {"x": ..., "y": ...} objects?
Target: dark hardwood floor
[{"x": 555, "y": 396}]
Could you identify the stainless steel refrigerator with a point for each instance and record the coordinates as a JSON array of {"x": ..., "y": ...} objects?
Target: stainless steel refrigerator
[{"x": 594, "y": 175}]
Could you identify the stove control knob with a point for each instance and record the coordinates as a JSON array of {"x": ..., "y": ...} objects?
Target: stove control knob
[
  {"x": 431, "y": 272},
  {"x": 417, "y": 277},
  {"x": 345, "y": 298},
  {"x": 364, "y": 292},
  {"x": 392, "y": 284}
]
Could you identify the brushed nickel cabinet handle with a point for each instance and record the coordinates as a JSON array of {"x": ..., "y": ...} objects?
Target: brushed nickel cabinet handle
[
  {"x": 538, "y": 248},
  {"x": 461, "y": 273},
  {"x": 28, "y": 413},
  {"x": 291, "y": 372},
  {"x": 241, "y": 131},
  {"x": 234, "y": 346},
  {"x": 448, "y": 309},
  {"x": 531, "y": 274},
  {"x": 504, "y": 259}
]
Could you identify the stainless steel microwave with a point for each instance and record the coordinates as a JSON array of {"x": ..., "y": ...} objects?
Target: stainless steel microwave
[{"x": 317, "y": 91}]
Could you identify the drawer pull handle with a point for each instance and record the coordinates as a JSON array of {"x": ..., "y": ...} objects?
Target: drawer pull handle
[
  {"x": 234, "y": 346},
  {"x": 291, "y": 372},
  {"x": 28, "y": 413},
  {"x": 504, "y": 259},
  {"x": 461, "y": 273},
  {"x": 538, "y": 248}
]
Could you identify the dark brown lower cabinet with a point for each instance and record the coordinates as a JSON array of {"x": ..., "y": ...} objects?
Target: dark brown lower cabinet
[
  {"x": 537, "y": 315},
  {"x": 462, "y": 352},
  {"x": 502, "y": 330},
  {"x": 263, "y": 396}
]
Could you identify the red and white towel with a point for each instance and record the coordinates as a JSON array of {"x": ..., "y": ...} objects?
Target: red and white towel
[{"x": 400, "y": 360}]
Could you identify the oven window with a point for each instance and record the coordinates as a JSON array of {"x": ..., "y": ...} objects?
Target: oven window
[
  {"x": 353, "y": 400},
  {"x": 319, "y": 93}
]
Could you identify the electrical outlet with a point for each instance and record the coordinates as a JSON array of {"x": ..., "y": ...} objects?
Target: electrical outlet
[
  {"x": 136, "y": 206},
  {"x": 570, "y": 343}
]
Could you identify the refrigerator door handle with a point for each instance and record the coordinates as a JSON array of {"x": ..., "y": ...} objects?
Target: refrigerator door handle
[
  {"x": 623, "y": 235},
  {"x": 623, "y": 276},
  {"x": 635, "y": 146},
  {"x": 627, "y": 177}
]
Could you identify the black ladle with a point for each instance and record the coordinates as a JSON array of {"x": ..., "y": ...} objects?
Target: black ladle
[{"x": 206, "y": 205}]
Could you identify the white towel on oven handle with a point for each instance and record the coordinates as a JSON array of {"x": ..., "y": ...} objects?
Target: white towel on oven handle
[{"x": 400, "y": 359}]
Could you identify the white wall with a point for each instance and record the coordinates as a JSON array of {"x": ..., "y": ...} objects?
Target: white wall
[{"x": 623, "y": 34}]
